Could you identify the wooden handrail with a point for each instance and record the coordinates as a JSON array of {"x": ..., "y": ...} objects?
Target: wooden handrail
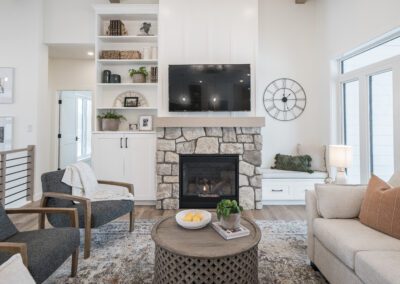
[{"x": 5, "y": 170}]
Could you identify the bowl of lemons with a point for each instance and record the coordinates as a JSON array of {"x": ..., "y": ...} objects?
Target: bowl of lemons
[{"x": 193, "y": 219}]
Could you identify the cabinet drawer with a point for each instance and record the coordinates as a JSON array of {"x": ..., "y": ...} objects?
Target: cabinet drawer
[
  {"x": 298, "y": 191},
  {"x": 275, "y": 191}
]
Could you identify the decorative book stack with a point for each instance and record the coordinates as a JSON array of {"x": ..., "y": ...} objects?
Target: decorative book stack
[
  {"x": 116, "y": 28},
  {"x": 242, "y": 231}
]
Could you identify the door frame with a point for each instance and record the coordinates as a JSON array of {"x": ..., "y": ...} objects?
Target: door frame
[{"x": 57, "y": 123}]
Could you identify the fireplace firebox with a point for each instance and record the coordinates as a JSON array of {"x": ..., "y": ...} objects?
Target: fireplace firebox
[{"x": 207, "y": 179}]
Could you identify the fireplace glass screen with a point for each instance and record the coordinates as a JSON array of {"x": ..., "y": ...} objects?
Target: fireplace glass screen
[{"x": 206, "y": 179}]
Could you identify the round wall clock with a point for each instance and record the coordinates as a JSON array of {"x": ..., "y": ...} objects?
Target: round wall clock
[{"x": 284, "y": 99}]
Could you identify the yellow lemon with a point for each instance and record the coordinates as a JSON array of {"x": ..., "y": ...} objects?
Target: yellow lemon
[
  {"x": 199, "y": 215},
  {"x": 196, "y": 219}
]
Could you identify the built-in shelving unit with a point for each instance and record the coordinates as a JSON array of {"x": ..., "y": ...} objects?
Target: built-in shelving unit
[{"x": 132, "y": 16}]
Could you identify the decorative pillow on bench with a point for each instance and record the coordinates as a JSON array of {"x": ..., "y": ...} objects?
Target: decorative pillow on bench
[
  {"x": 380, "y": 209},
  {"x": 293, "y": 163}
]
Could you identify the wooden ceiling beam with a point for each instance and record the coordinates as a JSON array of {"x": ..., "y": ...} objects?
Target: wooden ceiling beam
[{"x": 301, "y": 1}]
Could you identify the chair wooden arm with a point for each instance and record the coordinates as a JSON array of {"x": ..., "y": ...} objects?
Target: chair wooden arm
[
  {"x": 16, "y": 248},
  {"x": 129, "y": 186},
  {"x": 72, "y": 212}
]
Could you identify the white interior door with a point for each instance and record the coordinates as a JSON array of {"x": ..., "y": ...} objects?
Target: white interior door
[
  {"x": 74, "y": 127},
  {"x": 67, "y": 131}
]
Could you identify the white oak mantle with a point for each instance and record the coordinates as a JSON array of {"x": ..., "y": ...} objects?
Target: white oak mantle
[{"x": 209, "y": 121}]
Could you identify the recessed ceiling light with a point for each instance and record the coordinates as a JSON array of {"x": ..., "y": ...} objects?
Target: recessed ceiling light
[{"x": 90, "y": 53}]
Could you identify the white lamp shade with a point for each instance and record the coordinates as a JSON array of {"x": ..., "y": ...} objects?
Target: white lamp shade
[{"x": 340, "y": 156}]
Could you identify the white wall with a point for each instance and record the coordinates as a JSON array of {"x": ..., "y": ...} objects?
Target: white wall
[
  {"x": 204, "y": 32},
  {"x": 22, "y": 48},
  {"x": 73, "y": 21},
  {"x": 289, "y": 48},
  {"x": 71, "y": 75},
  {"x": 343, "y": 26}
]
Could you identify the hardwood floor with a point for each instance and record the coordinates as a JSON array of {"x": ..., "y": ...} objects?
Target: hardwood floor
[{"x": 276, "y": 212}]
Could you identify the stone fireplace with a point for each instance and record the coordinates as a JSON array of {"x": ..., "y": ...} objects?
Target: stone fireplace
[
  {"x": 176, "y": 142},
  {"x": 204, "y": 180}
]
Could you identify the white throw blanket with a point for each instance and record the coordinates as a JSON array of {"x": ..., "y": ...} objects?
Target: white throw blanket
[{"x": 83, "y": 181}]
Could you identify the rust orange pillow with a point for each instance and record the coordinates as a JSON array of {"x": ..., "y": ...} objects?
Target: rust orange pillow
[{"x": 380, "y": 209}]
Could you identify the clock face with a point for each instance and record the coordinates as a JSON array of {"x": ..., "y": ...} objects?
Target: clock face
[{"x": 284, "y": 99}]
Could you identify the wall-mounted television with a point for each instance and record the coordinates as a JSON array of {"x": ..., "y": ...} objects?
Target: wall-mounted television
[{"x": 209, "y": 87}]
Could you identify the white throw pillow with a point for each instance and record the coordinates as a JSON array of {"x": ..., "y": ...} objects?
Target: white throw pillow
[
  {"x": 317, "y": 154},
  {"x": 339, "y": 201},
  {"x": 14, "y": 271},
  {"x": 395, "y": 180}
]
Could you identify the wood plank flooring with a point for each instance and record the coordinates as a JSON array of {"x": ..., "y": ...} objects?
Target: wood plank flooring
[{"x": 276, "y": 212}]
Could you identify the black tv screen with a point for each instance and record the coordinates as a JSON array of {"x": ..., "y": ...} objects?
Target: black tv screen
[{"x": 209, "y": 87}]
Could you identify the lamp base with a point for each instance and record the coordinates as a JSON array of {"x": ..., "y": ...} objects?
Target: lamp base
[{"x": 341, "y": 177}]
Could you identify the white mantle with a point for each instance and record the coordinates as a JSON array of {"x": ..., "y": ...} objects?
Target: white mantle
[{"x": 209, "y": 122}]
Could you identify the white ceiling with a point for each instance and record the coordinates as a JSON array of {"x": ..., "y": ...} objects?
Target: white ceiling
[{"x": 71, "y": 51}]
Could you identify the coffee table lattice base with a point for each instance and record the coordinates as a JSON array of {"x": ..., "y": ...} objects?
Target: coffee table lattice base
[{"x": 173, "y": 268}]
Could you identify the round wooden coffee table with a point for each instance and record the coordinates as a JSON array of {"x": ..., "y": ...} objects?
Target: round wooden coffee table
[{"x": 203, "y": 256}]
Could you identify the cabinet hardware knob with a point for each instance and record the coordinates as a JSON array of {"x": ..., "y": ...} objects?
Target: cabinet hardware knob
[
  {"x": 277, "y": 190},
  {"x": 126, "y": 142},
  {"x": 120, "y": 142}
]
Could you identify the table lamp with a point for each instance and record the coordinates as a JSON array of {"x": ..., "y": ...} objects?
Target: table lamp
[{"x": 340, "y": 157}]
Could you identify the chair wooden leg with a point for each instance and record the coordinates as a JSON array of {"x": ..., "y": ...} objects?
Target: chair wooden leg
[
  {"x": 88, "y": 241},
  {"x": 74, "y": 266},
  {"x": 131, "y": 221}
]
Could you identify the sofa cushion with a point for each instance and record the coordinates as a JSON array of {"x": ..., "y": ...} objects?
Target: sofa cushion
[
  {"x": 14, "y": 271},
  {"x": 395, "y": 180},
  {"x": 378, "y": 267},
  {"x": 317, "y": 154},
  {"x": 47, "y": 249},
  {"x": 381, "y": 207},
  {"x": 7, "y": 228},
  {"x": 339, "y": 201},
  {"x": 345, "y": 237}
]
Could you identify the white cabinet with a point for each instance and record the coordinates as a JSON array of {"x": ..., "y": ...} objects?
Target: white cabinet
[{"x": 127, "y": 157}]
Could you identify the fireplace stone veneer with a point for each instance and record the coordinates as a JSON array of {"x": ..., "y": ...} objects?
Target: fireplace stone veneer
[{"x": 243, "y": 141}]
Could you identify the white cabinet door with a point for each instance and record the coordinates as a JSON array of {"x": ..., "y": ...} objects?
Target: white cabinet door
[
  {"x": 140, "y": 165},
  {"x": 108, "y": 157}
]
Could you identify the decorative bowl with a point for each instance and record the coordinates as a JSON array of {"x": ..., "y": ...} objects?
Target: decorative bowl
[{"x": 193, "y": 225}]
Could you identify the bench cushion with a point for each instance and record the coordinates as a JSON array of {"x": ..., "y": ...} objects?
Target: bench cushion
[
  {"x": 280, "y": 174},
  {"x": 346, "y": 237},
  {"x": 47, "y": 249},
  {"x": 378, "y": 267}
]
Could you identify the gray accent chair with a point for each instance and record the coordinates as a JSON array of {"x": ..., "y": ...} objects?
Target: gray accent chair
[
  {"x": 90, "y": 214},
  {"x": 43, "y": 250}
]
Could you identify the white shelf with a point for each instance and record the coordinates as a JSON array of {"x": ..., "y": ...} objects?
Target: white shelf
[
  {"x": 127, "y": 108},
  {"x": 119, "y": 39},
  {"x": 128, "y": 84},
  {"x": 128, "y": 61}
]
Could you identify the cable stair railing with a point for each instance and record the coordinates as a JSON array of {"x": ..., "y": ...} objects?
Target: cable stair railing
[{"x": 17, "y": 171}]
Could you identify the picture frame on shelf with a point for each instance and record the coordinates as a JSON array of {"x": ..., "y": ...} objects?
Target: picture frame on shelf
[
  {"x": 131, "y": 102},
  {"x": 6, "y": 133},
  {"x": 6, "y": 85},
  {"x": 146, "y": 123}
]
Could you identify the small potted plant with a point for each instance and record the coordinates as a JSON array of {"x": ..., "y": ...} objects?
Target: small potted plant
[
  {"x": 110, "y": 121},
  {"x": 228, "y": 213},
  {"x": 139, "y": 75}
]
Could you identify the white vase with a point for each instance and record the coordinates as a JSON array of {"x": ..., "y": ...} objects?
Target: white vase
[{"x": 231, "y": 222}]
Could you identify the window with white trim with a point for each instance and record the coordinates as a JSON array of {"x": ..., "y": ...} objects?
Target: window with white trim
[{"x": 369, "y": 100}]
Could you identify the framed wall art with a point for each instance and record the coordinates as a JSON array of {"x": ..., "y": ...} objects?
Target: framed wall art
[
  {"x": 6, "y": 133},
  {"x": 6, "y": 85}
]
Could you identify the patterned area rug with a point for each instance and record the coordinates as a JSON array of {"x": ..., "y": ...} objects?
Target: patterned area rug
[{"x": 121, "y": 257}]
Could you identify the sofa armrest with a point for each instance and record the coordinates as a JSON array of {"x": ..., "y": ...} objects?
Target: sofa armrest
[
  {"x": 16, "y": 248},
  {"x": 311, "y": 214}
]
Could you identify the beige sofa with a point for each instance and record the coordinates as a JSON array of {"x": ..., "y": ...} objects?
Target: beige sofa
[{"x": 341, "y": 248}]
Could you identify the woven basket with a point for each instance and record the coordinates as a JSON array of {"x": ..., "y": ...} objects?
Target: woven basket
[
  {"x": 110, "y": 54},
  {"x": 130, "y": 54}
]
